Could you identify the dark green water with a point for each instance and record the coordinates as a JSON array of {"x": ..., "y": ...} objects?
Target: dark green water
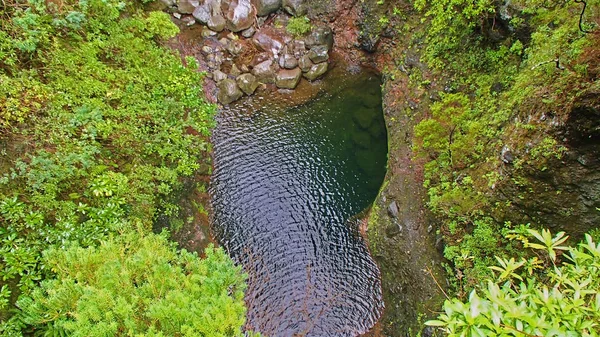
[{"x": 287, "y": 187}]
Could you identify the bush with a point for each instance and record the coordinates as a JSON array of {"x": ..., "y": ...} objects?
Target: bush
[
  {"x": 137, "y": 284},
  {"x": 533, "y": 297}
]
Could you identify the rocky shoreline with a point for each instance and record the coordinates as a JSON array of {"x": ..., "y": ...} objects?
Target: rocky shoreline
[{"x": 246, "y": 44}]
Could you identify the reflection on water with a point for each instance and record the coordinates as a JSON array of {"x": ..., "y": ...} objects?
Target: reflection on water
[{"x": 287, "y": 184}]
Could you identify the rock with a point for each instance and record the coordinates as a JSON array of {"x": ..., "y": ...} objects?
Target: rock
[
  {"x": 202, "y": 13},
  {"x": 223, "y": 41},
  {"x": 363, "y": 117},
  {"x": 288, "y": 78},
  {"x": 393, "y": 230},
  {"x": 177, "y": 16},
  {"x": 232, "y": 36},
  {"x": 316, "y": 71},
  {"x": 188, "y": 20},
  {"x": 247, "y": 33},
  {"x": 234, "y": 47},
  {"x": 187, "y": 6},
  {"x": 207, "y": 32},
  {"x": 239, "y": 14},
  {"x": 235, "y": 71},
  {"x": 295, "y": 7},
  {"x": 264, "y": 71},
  {"x": 318, "y": 54},
  {"x": 506, "y": 155},
  {"x": 216, "y": 23},
  {"x": 244, "y": 68},
  {"x": 322, "y": 35},
  {"x": 206, "y": 50},
  {"x": 219, "y": 76},
  {"x": 298, "y": 47},
  {"x": 169, "y": 3},
  {"x": 305, "y": 63},
  {"x": 361, "y": 139},
  {"x": 288, "y": 61},
  {"x": 248, "y": 83},
  {"x": 258, "y": 58},
  {"x": 228, "y": 91},
  {"x": 269, "y": 40},
  {"x": 266, "y": 7},
  {"x": 393, "y": 209}
]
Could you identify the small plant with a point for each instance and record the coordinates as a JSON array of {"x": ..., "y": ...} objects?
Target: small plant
[{"x": 299, "y": 26}]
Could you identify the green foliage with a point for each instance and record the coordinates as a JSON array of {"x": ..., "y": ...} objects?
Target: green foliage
[
  {"x": 298, "y": 26},
  {"x": 136, "y": 284},
  {"x": 564, "y": 300},
  {"x": 100, "y": 125}
]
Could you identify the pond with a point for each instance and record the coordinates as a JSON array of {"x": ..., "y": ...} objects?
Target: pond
[{"x": 290, "y": 183}]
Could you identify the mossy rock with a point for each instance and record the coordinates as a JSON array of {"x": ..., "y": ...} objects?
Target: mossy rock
[
  {"x": 361, "y": 139},
  {"x": 363, "y": 117}
]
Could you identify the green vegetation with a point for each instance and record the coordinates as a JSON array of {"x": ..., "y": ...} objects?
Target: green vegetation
[
  {"x": 133, "y": 285},
  {"x": 100, "y": 127},
  {"x": 502, "y": 80},
  {"x": 553, "y": 293},
  {"x": 298, "y": 26}
]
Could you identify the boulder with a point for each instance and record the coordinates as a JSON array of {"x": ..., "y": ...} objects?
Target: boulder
[
  {"x": 219, "y": 76},
  {"x": 187, "y": 6},
  {"x": 305, "y": 63},
  {"x": 322, "y": 35},
  {"x": 258, "y": 58},
  {"x": 298, "y": 47},
  {"x": 202, "y": 13},
  {"x": 265, "y": 71},
  {"x": 288, "y": 78},
  {"x": 228, "y": 91},
  {"x": 393, "y": 209},
  {"x": 295, "y": 7},
  {"x": 239, "y": 14},
  {"x": 234, "y": 47},
  {"x": 269, "y": 40},
  {"x": 247, "y": 33},
  {"x": 318, "y": 54},
  {"x": 188, "y": 20},
  {"x": 363, "y": 117},
  {"x": 288, "y": 61},
  {"x": 248, "y": 83},
  {"x": 216, "y": 23},
  {"x": 266, "y": 7},
  {"x": 206, "y": 32},
  {"x": 235, "y": 71},
  {"x": 316, "y": 71}
]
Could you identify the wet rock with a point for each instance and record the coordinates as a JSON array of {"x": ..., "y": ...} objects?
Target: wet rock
[
  {"x": 187, "y": 6},
  {"x": 235, "y": 71},
  {"x": 322, "y": 35},
  {"x": 298, "y": 48},
  {"x": 208, "y": 33},
  {"x": 363, "y": 117},
  {"x": 506, "y": 155},
  {"x": 288, "y": 78},
  {"x": 248, "y": 33},
  {"x": 228, "y": 91},
  {"x": 316, "y": 71},
  {"x": 188, "y": 20},
  {"x": 393, "y": 230},
  {"x": 177, "y": 16},
  {"x": 202, "y": 13},
  {"x": 266, "y": 7},
  {"x": 206, "y": 50},
  {"x": 393, "y": 209},
  {"x": 318, "y": 54},
  {"x": 368, "y": 42},
  {"x": 265, "y": 71},
  {"x": 361, "y": 139},
  {"x": 234, "y": 47},
  {"x": 219, "y": 76},
  {"x": 216, "y": 23},
  {"x": 239, "y": 14},
  {"x": 258, "y": 58},
  {"x": 305, "y": 63},
  {"x": 269, "y": 40},
  {"x": 169, "y": 3},
  {"x": 244, "y": 68},
  {"x": 248, "y": 83},
  {"x": 288, "y": 61},
  {"x": 295, "y": 7}
]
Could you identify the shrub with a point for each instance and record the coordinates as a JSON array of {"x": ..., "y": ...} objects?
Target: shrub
[
  {"x": 299, "y": 26},
  {"x": 137, "y": 284}
]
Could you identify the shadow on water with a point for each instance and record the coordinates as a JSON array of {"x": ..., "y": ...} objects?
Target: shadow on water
[{"x": 287, "y": 182}]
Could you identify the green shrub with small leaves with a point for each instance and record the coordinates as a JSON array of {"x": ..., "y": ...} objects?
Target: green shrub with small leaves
[
  {"x": 298, "y": 26},
  {"x": 137, "y": 285}
]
